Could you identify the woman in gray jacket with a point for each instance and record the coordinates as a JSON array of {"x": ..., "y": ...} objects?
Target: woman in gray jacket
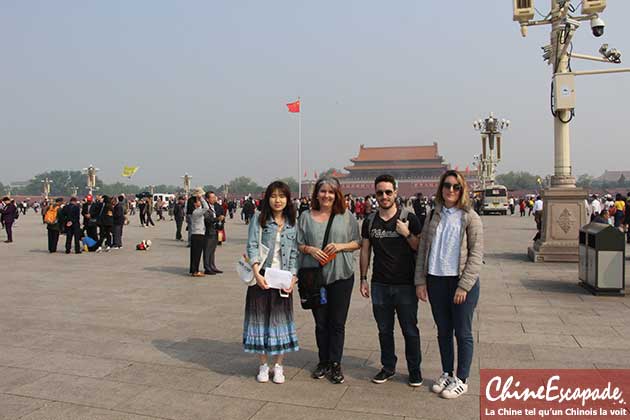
[
  {"x": 450, "y": 255},
  {"x": 197, "y": 233}
]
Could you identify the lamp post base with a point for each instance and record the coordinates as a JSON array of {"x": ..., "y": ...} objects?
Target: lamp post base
[{"x": 564, "y": 212}]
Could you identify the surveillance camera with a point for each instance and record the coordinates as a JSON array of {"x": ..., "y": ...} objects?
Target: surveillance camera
[{"x": 597, "y": 26}]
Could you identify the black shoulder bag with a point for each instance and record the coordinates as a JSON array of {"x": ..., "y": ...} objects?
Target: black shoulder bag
[{"x": 311, "y": 279}]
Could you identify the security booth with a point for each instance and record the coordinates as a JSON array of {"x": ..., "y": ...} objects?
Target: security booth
[{"x": 605, "y": 259}]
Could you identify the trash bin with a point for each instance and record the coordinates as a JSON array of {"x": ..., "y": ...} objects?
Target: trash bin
[{"x": 605, "y": 259}]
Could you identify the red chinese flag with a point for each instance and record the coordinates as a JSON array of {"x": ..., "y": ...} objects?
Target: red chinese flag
[
  {"x": 305, "y": 174},
  {"x": 467, "y": 169},
  {"x": 294, "y": 106}
]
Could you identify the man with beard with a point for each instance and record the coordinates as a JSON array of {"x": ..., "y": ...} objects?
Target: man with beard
[{"x": 393, "y": 234}]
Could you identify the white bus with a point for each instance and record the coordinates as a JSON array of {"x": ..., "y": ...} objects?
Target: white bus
[{"x": 495, "y": 200}]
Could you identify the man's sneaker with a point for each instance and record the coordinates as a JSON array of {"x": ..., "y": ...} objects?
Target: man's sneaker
[
  {"x": 263, "y": 373},
  {"x": 99, "y": 249},
  {"x": 415, "y": 379},
  {"x": 456, "y": 388},
  {"x": 336, "y": 376},
  {"x": 107, "y": 249},
  {"x": 441, "y": 383},
  {"x": 383, "y": 376},
  {"x": 278, "y": 374},
  {"x": 321, "y": 370}
]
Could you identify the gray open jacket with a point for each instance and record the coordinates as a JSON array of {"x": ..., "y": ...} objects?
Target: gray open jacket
[{"x": 471, "y": 248}]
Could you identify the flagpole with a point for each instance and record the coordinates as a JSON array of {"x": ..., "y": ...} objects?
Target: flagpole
[{"x": 300, "y": 150}]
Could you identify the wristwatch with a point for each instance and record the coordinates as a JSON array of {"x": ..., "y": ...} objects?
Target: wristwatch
[{"x": 363, "y": 278}]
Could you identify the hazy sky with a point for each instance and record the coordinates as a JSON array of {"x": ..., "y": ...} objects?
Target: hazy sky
[{"x": 201, "y": 86}]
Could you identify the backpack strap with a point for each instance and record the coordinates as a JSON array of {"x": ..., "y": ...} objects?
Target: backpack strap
[{"x": 370, "y": 221}]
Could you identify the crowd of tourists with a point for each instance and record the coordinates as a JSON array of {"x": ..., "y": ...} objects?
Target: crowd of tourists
[{"x": 435, "y": 259}]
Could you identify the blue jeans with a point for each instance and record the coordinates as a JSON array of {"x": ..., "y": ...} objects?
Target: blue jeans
[
  {"x": 401, "y": 300},
  {"x": 450, "y": 318}
]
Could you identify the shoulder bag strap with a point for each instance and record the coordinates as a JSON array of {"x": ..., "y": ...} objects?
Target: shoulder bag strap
[{"x": 328, "y": 226}]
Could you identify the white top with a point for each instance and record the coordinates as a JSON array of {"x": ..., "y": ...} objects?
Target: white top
[
  {"x": 276, "y": 262},
  {"x": 596, "y": 207},
  {"x": 445, "y": 249},
  {"x": 538, "y": 205}
]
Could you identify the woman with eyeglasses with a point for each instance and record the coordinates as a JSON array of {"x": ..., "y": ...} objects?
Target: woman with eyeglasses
[
  {"x": 450, "y": 255},
  {"x": 337, "y": 260}
]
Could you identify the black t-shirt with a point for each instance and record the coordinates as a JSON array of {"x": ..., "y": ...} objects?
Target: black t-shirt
[{"x": 394, "y": 260}]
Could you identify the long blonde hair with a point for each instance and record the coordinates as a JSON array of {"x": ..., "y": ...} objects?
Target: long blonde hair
[{"x": 463, "y": 201}]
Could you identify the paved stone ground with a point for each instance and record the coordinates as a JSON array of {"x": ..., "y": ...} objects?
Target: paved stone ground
[{"x": 128, "y": 335}]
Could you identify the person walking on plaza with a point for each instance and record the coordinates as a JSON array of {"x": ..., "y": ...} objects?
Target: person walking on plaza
[
  {"x": 119, "y": 222},
  {"x": 178, "y": 214},
  {"x": 522, "y": 206},
  {"x": 420, "y": 208},
  {"x": 89, "y": 223},
  {"x": 249, "y": 209},
  {"x": 211, "y": 218},
  {"x": 392, "y": 232},
  {"x": 268, "y": 328},
  {"x": 52, "y": 219},
  {"x": 197, "y": 207},
  {"x": 450, "y": 255},
  {"x": 9, "y": 216},
  {"x": 538, "y": 216},
  {"x": 106, "y": 223},
  {"x": 620, "y": 210},
  {"x": 337, "y": 260},
  {"x": 142, "y": 212},
  {"x": 71, "y": 216},
  {"x": 149, "y": 211}
]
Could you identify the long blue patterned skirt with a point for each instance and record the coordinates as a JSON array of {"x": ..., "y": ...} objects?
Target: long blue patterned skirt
[{"x": 268, "y": 327}]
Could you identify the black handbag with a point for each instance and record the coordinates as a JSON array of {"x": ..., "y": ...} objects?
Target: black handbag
[{"x": 311, "y": 279}]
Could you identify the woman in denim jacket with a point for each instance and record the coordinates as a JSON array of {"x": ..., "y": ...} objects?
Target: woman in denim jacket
[{"x": 268, "y": 328}]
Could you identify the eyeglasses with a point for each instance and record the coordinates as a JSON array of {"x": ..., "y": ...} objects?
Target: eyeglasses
[
  {"x": 455, "y": 187},
  {"x": 388, "y": 193}
]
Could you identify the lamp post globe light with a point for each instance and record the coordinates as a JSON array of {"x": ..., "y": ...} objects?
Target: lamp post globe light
[
  {"x": 46, "y": 187},
  {"x": 491, "y": 129},
  {"x": 90, "y": 171},
  {"x": 187, "y": 179},
  {"x": 564, "y": 211}
]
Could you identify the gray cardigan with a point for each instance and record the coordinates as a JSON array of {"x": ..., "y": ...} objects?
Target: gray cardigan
[
  {"x": 471, "y": 248},
  {"x": 197, "y": 224}
]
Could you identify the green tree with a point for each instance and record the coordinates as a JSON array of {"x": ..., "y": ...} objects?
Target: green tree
[
  {"x": 2, "y": 189},
  {"x": 62, "y": 183},
  {"x": 518, "y": 180},
  {"x": 330, "y": 171},
  {"x": 292, "y": 183},
  {"x": 584, "y": 181},
  {"x": 244, "y": 185}
]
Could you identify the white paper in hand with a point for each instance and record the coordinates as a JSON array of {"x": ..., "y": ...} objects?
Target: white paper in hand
[{"x": 278, "y": 279}]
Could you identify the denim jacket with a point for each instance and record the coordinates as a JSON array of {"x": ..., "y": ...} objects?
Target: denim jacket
[{"x": 288, "y": 242}]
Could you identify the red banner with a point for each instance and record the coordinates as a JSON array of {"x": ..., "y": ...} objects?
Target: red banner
[
  {"x": 294, "y": 106},
  {"x": 554, "y": 394}
]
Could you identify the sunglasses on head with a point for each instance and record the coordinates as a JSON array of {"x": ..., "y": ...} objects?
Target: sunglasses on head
[
  {"x": 455, "y": 187},
  {"x": 381, "y": 193}
]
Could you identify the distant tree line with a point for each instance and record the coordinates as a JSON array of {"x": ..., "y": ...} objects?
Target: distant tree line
[{"x": 63, "y": 183}]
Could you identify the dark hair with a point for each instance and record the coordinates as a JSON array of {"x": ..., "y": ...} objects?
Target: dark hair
[
  {"x": 618, "y": 197},
  {"x": 265, "y": 208},
  {"x": 339, "y": 205},
  {"x": 190, "y": 206},
  {"x": 121, "y": 198},
  {"x": 385, "y": 178}
]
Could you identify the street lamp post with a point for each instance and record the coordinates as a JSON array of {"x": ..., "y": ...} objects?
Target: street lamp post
[
  {"x": 491, "y": 130},
  {"x": 46, "y": 187},
  {"x": 187, "y": 179},
  {"x": 90, "y": 171},
  {"x": 564, "y": 204}
]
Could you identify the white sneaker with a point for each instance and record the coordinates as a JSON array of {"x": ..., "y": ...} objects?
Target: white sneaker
[
  {"x": 278, "y": 374},
  {"x": 263, "y": 373},
  {"x": 99, "y": 249},
  {"x": 107, "y": 249},
  {"x": 441, "y": 383},
  {"x": 456, "y": 388}
]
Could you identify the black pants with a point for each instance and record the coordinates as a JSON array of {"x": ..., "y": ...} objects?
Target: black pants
[
  {"x": 400, "y": 300},
  {"x": 143, "y": 218},
  {"x": 450, "y": 317},
  {"x": 197, "y": 244},
  {"x": 178, "y": 228},
  {"x": 73, "y": 232},
  {"x": 117, "y": 231},
  {"x": 209, "y": 251},
  {"x": 149, "y": 220},
  {"x": 330, "y": 320},
  {"x": 9, "y": 228},
  {"x": 53, "y": 240},
  {"x": 90, "y": 230},
  {"x": 106, "y": 236}
]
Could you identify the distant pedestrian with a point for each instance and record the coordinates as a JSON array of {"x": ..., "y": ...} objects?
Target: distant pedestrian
[
  {"x": 71, "y": 216},
  {"x": 9, "y": 216},
  {"x": 53, "y": 222}
]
